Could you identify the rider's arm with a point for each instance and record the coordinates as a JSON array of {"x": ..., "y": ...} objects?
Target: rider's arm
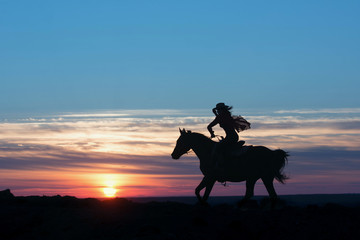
[{"x": 211, "y": 125}]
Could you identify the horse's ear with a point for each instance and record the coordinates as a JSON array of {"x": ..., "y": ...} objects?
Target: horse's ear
[{"x": 182, "y": 131}]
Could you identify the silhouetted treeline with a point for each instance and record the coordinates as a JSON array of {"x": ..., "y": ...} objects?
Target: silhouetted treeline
[{"x": 71, "y": 218}]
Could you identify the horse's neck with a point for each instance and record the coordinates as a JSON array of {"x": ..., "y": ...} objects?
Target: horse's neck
[{"x": 203, "y": 148}]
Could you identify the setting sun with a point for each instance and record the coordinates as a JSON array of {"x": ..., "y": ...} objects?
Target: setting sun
[
  {"x": 110, "y": 189},
  {"x": 110, "y": 192}
]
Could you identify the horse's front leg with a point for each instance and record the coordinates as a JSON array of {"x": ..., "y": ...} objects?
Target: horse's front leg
[
  {"x": 209, "y": 186},
  {"x": 207, "y": 183},
  {"x": 200, "y": 187}
]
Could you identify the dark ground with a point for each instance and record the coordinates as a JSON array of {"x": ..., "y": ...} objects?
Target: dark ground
[{"x": 71, "y": 218}]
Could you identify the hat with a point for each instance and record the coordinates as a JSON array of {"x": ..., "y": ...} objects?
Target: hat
[{"x": 221, "y": 106}]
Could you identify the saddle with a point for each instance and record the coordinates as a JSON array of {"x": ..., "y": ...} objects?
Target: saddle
[
  {"x": 238, "y": 149},
  {"x": 234, "y": 155},
  {"x": 234, "y": 151}
]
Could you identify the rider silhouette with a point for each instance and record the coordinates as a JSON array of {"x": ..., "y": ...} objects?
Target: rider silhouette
[{"x": 231, "y": 125}]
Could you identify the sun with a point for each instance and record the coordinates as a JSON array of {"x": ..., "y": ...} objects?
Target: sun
[
  {"x": 110, "y": 186},
  {"x": 110, "y": 192},
  {"x": 110, "y": 189}
]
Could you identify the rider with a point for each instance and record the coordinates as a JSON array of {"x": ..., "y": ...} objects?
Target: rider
[{"x": 231, "y": 125}]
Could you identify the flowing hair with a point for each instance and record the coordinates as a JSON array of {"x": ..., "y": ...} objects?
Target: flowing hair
[{"x": 240, "y": 123}]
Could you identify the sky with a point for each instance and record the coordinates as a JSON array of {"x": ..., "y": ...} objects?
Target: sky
[{"x": 93, "y": 92}]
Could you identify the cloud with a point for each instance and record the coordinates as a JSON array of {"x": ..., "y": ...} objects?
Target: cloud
[
  {"x": 320, "y": 111},
  {"x": 136, "y": 132},
  {"x": 60, "y": 159},
  {"x": 137, "y": 143}
]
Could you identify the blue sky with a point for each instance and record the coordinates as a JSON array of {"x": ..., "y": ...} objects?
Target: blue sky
[
  {"x": 96, "y": 90},
  {"x": 83, "y": 55}
]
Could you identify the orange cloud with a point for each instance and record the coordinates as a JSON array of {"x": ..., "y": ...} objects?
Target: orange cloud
[{"x": 69, "y": 153}]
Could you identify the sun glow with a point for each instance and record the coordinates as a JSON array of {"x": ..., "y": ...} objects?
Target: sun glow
[{"x": 110, "y": 192}]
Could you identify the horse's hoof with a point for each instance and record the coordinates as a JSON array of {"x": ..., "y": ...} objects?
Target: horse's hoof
[
  {"x": 272, "y": 203},
  {"x": 240, "y": 204},
  {"x": 248, "y": 204},
  {"x": 202, "y": 204}
]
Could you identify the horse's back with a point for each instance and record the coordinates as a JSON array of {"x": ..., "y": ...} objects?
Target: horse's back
[
  {"x": 255, "y": 157},
  {"x": 259, "y": 151}
]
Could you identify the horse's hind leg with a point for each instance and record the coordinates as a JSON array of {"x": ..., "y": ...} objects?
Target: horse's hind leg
[
  {"x": 268, "y": 182},
  {"x": 250, "y": 184}
]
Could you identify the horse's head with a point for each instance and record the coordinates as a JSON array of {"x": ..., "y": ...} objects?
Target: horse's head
[{"x": 182, "y": 144}]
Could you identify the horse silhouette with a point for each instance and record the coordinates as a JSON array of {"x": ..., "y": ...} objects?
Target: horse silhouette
[{"x": 258, "y": 162}]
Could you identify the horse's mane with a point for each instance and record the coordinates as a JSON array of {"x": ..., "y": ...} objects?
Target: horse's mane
[{"x": 201, "y": 136}]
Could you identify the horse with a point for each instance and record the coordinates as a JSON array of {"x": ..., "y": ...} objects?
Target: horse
[{"x": 258, "y": 162}]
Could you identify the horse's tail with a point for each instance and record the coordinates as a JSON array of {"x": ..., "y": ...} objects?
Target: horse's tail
[{"x": 280, "y": 160}]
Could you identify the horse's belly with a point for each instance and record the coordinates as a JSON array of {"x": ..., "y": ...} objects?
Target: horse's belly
[{"x": 234, "y": 179}]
